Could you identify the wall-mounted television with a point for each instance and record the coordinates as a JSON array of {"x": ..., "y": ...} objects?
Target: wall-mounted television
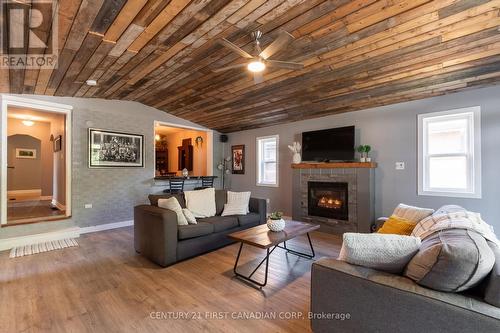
[{"x": 335, "y": 144}]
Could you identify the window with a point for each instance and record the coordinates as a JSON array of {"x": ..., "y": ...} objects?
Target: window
[
  {"x": 267, "y": 160},
  {"x": 449, "y": 153}
]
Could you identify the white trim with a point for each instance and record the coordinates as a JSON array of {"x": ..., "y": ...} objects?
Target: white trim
[
  {"x": 107, "y": 226},
  {"x": 257, "y": 148},
  {"x": 475, "y": 155},
  {"x": 9, "y": 243},
  {"x": 209, "y": 143},
  {"x": 9, "y": 100},
  {"x": 74, "y": 232}
]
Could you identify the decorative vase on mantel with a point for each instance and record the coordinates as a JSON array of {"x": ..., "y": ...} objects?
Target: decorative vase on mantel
[
  {"x": 275, "y": 222},
  {"x": 295, "y": 148}
]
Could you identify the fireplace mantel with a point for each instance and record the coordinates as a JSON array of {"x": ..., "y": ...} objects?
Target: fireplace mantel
[{"x": 335, "y": 165}]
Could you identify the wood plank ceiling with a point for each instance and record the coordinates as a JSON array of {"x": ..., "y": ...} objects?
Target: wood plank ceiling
[{"x": 357, "y": 54}]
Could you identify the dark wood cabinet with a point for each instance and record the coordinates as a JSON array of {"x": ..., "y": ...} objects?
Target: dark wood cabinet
[
  {"x": 185, "y": 155},
  {"x": 161, "y": 158}
]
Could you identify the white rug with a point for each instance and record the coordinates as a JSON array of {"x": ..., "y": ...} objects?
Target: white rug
[{"x": 27, "y": 250}]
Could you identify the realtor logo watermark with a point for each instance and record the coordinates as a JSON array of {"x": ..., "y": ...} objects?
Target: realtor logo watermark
[{"x": 28, "y": 34}]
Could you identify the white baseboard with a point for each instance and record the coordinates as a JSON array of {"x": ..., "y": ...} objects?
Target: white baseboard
[
  {"x": 9, "y": 243},
  {"x": 107, "y": 226},
  {"x": 74, "y": 232}
]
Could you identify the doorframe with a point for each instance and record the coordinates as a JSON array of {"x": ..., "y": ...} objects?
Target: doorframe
[
  {"x": 210, "y": 146},
  {"x": 44, "y": 106}
]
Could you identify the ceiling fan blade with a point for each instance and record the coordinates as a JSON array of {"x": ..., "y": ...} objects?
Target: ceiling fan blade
[
  {"x": 283, "y": 39},
  {"x": 234, "y": 48},
  {"x": 284, "y": 64},
  {"x": 258, "y": 78},
  {"x": 226, "y": 68}
]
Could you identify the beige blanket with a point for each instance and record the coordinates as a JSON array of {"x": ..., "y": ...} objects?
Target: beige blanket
[{"x": 454, "y": 220}]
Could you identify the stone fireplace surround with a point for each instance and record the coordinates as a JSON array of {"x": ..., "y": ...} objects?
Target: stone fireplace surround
[{"x": 360, "y": 179}]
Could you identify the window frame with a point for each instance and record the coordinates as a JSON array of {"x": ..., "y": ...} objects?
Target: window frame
[
  {"x": 258, "y": 155},
  {"x": 473, "y": 153}
]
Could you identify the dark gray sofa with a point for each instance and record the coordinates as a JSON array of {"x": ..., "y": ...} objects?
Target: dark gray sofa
[
  {"x": 376, "y": 301},
  {"x": 158, "y": 237}
]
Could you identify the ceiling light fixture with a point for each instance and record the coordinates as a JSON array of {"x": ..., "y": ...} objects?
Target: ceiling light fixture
[
  {"x": 28, "y": 122},
  {"x": 91, "y": 82},
  {"x": 256, "y": 66}
]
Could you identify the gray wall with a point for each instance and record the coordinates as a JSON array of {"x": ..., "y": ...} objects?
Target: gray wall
[
  {"x": 112, "y": 192},
  {"x": 392, "y": 133}
]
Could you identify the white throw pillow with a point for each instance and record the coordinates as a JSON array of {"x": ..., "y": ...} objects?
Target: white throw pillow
[
  {"x": 384, "y": 252},
  {"x": 234, "y": 210},
  {"x": 239, "y": 199},
  {"x": 412, "y": 213},
  {"x": 201, "y": 203},
  {"x": 189, "y": 216},
  {"x": 173, "y": 204}
]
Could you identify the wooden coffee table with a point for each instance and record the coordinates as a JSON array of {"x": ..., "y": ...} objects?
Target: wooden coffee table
[{"x": 261, "y": 237}]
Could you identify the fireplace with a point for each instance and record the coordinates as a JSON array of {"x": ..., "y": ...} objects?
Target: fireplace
[{"x": 328, "y": 199}]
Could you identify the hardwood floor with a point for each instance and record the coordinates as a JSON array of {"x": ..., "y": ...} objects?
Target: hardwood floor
[{"x": 104, "y": 286}]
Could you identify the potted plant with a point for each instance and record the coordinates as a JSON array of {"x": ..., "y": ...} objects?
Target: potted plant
[
  {"x": 364, "y": 150},
  {"x": 275, "y": 221},
  {"x": 361, "y": 151},
  {"x": 368, "y": 148}
]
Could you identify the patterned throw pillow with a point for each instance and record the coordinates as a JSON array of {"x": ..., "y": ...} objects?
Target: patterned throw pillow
[
  {"x": 397, "y": 225},
  {"x": 234, "y": 210},
  {"x": 412, "y": 213},
  {"x": 388, "y": 253},
  {"x": 239, "y": 199}
]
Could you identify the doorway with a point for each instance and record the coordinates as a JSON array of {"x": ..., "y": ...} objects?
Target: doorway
[{"x": 35, "y": 174}]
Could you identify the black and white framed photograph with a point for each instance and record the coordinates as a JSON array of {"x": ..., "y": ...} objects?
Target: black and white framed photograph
[{"x": 109, "y": 149}]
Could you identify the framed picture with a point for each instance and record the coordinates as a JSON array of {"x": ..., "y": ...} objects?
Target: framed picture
[
  {"x": 114, "y": 149},
  {"x": 58, "y": 143},
  {"x": 26, "y": 153},
  {"x": 238, "y": 159}
]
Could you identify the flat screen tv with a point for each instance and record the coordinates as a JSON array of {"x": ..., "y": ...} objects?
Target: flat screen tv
[{"x": 335, "y": 144}]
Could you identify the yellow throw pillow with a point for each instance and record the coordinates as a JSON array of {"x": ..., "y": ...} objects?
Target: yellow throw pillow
[{"x": 397, "y": 225}]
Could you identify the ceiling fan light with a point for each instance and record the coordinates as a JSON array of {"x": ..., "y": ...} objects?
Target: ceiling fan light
[{"x": 256, "y": 66}]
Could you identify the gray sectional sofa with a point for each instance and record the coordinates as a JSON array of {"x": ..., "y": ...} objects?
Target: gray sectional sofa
[
  {"x": 158, "y": 237},
  {"x": 362, "y": 299}
]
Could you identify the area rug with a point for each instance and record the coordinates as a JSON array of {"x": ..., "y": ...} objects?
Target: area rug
[{"x": 27, "y": 250}]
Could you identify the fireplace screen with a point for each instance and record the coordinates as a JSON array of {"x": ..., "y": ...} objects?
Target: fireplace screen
[{"x": 328, "y": 199}]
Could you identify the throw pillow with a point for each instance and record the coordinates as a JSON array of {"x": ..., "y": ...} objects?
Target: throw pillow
[
  {"x": 239, "y": 199},
  {"x": 389, "y": 253},
  {"x": 234, "y": 210},
  {"x": 201, "y": 203},
  {"x": 412, "y": 213},
  {"x": 397, "y": 225},
  {"x": 173, "y": 204},
  {"x": 451, "y": 260},
  {"x": 189, "y": 216}
]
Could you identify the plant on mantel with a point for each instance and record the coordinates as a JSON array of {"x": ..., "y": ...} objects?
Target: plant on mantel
[{"x": 364, "y": 150}]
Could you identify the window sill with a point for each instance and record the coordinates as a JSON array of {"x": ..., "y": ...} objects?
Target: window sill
[
  {"x": 450, "y": 194},
  {"x": 267, "y": 185}
]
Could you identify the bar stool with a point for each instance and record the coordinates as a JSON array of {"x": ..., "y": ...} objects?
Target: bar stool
[{"x": 176, "y": 186}]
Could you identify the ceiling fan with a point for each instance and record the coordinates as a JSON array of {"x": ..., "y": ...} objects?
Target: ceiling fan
[{"x": 258, "y": 62}]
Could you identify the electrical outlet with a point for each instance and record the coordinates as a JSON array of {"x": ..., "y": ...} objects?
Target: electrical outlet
[
  {"x": 268, "y": 201},
  {"x": 400, "y": 165},
  {"x": 88, "y": 206}
]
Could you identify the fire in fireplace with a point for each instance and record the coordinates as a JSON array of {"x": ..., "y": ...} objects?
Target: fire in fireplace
[{"x": 328, "y": 199}]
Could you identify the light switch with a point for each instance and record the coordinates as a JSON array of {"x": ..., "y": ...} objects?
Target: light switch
[{"x": 400, "y": 165}]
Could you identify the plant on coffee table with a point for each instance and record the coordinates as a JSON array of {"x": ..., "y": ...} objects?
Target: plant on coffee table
[{"x": 275, "y": 221}]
